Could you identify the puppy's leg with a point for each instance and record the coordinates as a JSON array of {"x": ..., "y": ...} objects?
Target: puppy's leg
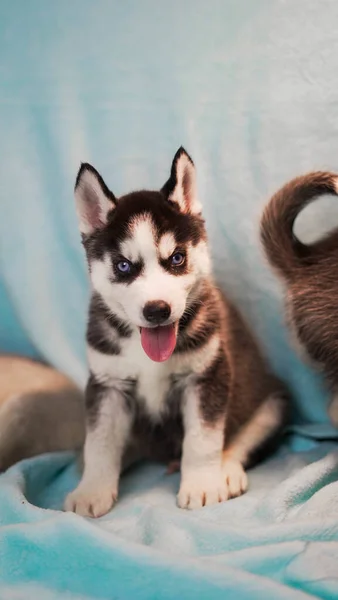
[
  {"x": 252, "y": 441},
  {"x": 202, "y": 480},
  {"x": 106, "y": 440},
  {"x": 205, "y": 479}
]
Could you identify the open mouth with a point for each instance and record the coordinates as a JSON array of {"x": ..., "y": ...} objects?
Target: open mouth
[{"x": 159, "y": 342}]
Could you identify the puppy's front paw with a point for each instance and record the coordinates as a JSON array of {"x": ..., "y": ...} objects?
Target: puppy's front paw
[
  {"x": 202, "y": 487},
  {"x": 91, "y": 499}
]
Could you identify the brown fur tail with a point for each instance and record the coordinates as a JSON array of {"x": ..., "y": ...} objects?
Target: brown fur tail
[{"x": 284, "y": 251}]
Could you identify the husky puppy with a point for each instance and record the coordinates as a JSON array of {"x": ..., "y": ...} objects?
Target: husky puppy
[
  {"x": 174, "y": 371},
  {"x": 309, "y": 273}
]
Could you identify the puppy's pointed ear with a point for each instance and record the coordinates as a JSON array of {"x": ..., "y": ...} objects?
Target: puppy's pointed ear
[
  {"x": 93, "y": 200},
  {"x": 181, "y": 186}
]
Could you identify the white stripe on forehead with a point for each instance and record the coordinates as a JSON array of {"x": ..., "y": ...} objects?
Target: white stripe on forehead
[
  {"x": 141, "y": 243},
  {"x": 167, "y": 245}
]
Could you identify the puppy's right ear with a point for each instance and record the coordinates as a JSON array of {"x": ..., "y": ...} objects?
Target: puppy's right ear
[{"x": 93, "y": 199}]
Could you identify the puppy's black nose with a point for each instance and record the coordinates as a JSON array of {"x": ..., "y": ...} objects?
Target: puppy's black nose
[{"x": 156, "y": 312}]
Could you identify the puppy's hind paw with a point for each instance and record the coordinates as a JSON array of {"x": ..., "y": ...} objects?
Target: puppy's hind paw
[{"x": 235, "y": 477}]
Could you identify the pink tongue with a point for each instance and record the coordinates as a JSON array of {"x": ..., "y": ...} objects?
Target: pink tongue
[{"x": 158, "y": 342}]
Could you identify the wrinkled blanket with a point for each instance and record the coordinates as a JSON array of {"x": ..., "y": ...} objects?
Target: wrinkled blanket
[{"x": 280, "y": 540}]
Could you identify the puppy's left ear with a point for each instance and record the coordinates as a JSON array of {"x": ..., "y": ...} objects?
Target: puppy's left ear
[{"x": 181, "y": 186}]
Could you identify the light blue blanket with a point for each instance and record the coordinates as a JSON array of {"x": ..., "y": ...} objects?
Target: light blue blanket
[
  {"x": 250, "y": 89},
  {"x": 278, "y": 541}
]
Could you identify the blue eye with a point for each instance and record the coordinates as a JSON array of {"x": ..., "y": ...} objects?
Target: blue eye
[
  {"x": 177, "y": 259},
  {"x": 124, "y": 266}
]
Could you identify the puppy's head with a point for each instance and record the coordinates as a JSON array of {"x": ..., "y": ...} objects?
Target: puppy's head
[{"x": 146, "y": 250}]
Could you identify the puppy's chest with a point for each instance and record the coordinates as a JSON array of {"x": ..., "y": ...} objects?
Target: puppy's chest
[{"x": 157, "y": 387}]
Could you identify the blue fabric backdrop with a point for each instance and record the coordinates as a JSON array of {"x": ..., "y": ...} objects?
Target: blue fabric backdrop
[{"x": 248, "y": 87}]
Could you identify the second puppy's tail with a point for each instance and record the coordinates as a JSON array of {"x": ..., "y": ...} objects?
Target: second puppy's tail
[{"x": 284, "y": 251}]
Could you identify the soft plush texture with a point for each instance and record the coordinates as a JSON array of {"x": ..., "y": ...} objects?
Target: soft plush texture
[
  {"x": 250, "y": 89},
  {"x": 278, "y": 541}
]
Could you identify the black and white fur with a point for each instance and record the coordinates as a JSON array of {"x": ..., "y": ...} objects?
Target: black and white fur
[{"x": 213, "y": 404}]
